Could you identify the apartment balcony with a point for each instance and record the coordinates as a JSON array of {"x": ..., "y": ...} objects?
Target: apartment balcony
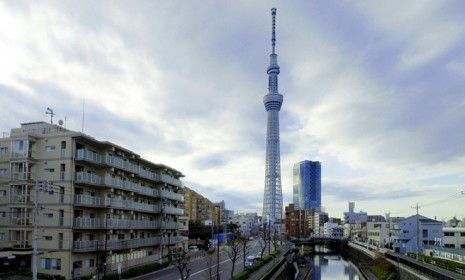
[
  {"x": 89, "y": 156},
  {"x": 20, "y": 199},
  {"x": 20, "y": 176},
  {"x": 95, "y": 201},
  {"x": 91, "y": 245},
  {"x": 116, "y": 182},
  {"x": 135, "y": 262},
  {"x": 88, "y": 200},
  {"x": 95, "y": 223},
  {"x": 170, "y": 180},
  {"x": 88, "y": 178},
  {"x": 20, "y": 221},
  {"x": 21, "y": 155},
  {"x": 171, "y": 195},
  {"x": 171, "y": 225},
  {"x": 172, "y": 210},
  {"x": 120, "y": 163}
]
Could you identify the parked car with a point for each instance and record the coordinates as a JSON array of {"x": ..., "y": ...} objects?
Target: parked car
[
  {"x": 193, "y": 248},
  {"x": 249, "y": 261}
]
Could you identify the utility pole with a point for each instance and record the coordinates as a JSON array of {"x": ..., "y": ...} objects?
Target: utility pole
[
  {"x": 418, "y": 229},
  {"x": 35, "y": 230}
]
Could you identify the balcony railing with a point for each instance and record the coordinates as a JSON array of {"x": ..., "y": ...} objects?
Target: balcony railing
[
  {"x": 21, "y": 176},
  {"x": 20, "y": 154},
  {"x": 116, "y": 182},
  {"x": 172, "y": 195},
  {"x": 121, "y": 164},
  {"x": 95, "y": 223},
  {"x": 88, "y": 178},
  {"x": 96, "y": 201},
  {"x": 172, "y": 210},
  {"x": 18, "y": 198},
  {"x": 83, "y": 154},
  {"x": 91, "y": 245},
  {"x": 171, "y": 225},
  {"x": 172, "y": 240},
  {"x": 170, "y": 180}
]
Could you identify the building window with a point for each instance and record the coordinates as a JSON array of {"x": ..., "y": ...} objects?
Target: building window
[
  {"x": 448, "y": 233},
  {"x": 50, "y": 148},
  {"x": 3, "y": 214},
  {"x": 462, "y": 234},
  {"x": 2, "y": 172},
  {"x": 425, "y": 233},
  {"x": 462, "y": 246},
  {"x": 91, "y": 263},
  {"x": 3, "y": 151},
  {"x": 48, "y": 215},
  {"x": 48, "y": 237},
  {"x": 48, "y": 264},
  {"x": 2, "y": 192},
  {"x": 449, "y": 245},
  {"x": 51, "y": 170}
]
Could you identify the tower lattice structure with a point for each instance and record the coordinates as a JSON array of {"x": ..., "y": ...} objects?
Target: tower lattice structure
[{"x": 273, "y": 197}]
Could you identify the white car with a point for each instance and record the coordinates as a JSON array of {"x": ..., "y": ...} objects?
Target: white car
[
  {"x": 249, "y": 261},
  {"x": 193, "y": 248}
]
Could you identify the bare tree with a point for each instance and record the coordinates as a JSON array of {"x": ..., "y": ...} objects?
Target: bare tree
[
  {"x": 275, "y": 238},
  {"x": 210, "y": 261},
  {"x": 234, "y": 248},
  {"x": 179, "y": 257},
  {"x": 245, "y": 248},
  {"x": 262, "y": 240}
]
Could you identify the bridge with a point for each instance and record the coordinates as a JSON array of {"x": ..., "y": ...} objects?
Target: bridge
[{"x": 317, "y": 239}]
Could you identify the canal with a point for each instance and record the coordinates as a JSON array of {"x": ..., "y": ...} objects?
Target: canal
[
  {"x": 332, "y": 267},
  {"x": 329, "y": 264}
]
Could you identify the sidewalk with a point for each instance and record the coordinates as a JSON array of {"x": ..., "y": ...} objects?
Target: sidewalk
[{"x": 259, "y": 273}]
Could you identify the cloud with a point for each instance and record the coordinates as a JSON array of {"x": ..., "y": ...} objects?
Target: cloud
[{"x": 375, "y": 92}]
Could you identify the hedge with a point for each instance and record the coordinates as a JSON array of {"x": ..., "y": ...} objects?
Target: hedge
[
  {"x": 256, "y": 266},
  {"x": 442, "y": 263},
  {"x": 136, "y": 271}
]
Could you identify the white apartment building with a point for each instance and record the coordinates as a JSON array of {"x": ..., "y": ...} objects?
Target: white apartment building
[
  {"x": 378, "y": 233},
  {"x": 104, "y": 204},
  {"x": 454, "y": 237},
  {"x": 352, "y": 217}
]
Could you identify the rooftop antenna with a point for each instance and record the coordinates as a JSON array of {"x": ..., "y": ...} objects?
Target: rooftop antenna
[
  {"x": 50, "y": 112},
  {"x": 273, "y": 33}
]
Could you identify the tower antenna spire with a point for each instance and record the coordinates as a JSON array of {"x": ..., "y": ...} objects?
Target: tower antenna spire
[{"x": 273, "y": 27}]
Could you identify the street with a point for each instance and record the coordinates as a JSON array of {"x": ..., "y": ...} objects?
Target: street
[{"x": 201, "y": 267}]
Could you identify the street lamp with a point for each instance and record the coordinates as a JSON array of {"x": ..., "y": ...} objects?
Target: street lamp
[{"x": 217, "y": 245}]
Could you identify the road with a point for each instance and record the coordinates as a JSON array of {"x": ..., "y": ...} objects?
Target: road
[{"x": 201, "y": 267}]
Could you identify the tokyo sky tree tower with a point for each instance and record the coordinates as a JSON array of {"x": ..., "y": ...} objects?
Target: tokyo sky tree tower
[{"x": 273, "y": 196}]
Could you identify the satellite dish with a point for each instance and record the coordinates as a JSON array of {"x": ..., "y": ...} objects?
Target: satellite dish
[{"x": 60, "y": 122}]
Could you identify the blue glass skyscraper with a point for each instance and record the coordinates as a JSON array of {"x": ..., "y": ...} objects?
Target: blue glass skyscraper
[{"x": 307, "y": 184}]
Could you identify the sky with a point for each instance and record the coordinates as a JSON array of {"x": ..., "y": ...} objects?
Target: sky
[{"x": 373, "y": 90}]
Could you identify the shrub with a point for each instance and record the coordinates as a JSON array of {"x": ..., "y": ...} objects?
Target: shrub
[
  {"x": 242, "y": 275},
  {"x": 382, "y": 268}
]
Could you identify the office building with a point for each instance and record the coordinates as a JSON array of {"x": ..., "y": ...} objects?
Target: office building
[
  {"x": 307, "y": 185},
  {"x": 416, "y": 232},
  {"x": 102, "y": 203}
]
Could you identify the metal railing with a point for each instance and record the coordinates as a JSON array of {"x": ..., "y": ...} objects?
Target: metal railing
[
  {"x": 129, "y": 186},
  {"x": 96, "y": 223},
  {"x": 21, "y": 176},
  {"x": 89, "y": 178},
  {"x": 171, "y": 225},
  {"x": 20, "y": 198},
  {"x": 91, "y": 245},
  {"x": 172, "y": 195},
  {"x": 173, "y": 210},
  {"x": 83, "y": 154}
]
